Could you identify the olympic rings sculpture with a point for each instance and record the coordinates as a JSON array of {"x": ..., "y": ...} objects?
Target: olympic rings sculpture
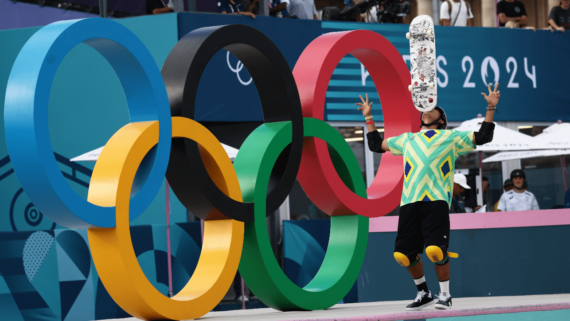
[{"x": 233, "y": 200}]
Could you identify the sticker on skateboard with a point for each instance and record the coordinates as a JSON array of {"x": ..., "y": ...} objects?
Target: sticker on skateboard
[{"x": 422, "y": 63}]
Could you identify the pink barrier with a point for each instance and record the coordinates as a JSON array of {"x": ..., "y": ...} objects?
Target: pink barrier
[{"x": 473, "y": 221}]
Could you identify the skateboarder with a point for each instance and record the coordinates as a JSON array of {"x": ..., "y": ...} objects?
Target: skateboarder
[{"x": 429, "y": 163}]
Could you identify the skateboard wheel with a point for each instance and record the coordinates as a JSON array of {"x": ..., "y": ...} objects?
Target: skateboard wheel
[
  {"x": 429, "y": 34},
  {"x": 408, "y": 36},
  {"x": 431, "y": 85},
  {"x": 411, "y": 88}
]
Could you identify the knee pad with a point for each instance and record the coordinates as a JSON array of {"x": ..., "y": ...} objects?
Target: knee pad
[
  {"x": 404, "y": 260},
  {"x": 439, "y": 256},
  {"x": 435, "y": 254}
]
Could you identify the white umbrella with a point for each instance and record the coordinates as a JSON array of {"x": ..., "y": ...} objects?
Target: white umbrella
[
  {"x": 554, "y": 136},
  {"x": 559, "y": 139},
  {"x": 93, "y": 155},
  {"x": 554, "y": 127},
  {"x": 503, "y": 138},
  {"x": 504, "y": 156}
]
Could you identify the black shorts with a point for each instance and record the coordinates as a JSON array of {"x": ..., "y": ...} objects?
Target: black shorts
[{"x": 422, "y": 224}]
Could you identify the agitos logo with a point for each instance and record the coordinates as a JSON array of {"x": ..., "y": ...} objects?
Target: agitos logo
[{"x": 162, "y": 139}]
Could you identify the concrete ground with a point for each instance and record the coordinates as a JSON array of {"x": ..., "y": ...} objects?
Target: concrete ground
[{"x": 395, "y": 310}]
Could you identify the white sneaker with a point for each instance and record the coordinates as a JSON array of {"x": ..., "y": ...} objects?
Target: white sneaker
[{"x": 443, "y": 301}]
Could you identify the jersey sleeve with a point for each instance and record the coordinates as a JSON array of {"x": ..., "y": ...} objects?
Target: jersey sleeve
[
  {"x": 464, "y": 142},
  {"x": 444, "y": 12},
  {"x": 552, "y": 14},
  {"x": 502, "y": 203},
  {"x": 396, "y": 144}
]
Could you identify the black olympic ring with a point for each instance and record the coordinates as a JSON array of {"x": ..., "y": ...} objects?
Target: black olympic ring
[{"x": 279, "y": 98}]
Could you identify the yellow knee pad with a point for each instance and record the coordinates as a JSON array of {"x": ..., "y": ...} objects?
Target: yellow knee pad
[
  {"x": 403, "y": 260},
  {"x": 435, "y": 254}
]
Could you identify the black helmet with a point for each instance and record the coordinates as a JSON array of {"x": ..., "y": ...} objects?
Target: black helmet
[
  {"x": 518, "y": 173},
  {"x": 442, "y": 117}
]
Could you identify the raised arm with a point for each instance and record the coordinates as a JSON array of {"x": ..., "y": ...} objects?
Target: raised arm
[
  {"x": 485, "y": 134},
  {"x": 375, "y": 142}
]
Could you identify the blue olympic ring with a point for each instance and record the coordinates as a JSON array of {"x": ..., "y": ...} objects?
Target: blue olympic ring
[{"x": 26, "y": 116}]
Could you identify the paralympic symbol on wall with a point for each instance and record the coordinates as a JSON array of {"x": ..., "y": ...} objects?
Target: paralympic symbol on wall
[{"x": 162, "y": 140}]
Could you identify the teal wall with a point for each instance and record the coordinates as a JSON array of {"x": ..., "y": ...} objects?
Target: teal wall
[
  {"x": 86, "y": 107},
  {"x": 492, "y": 262}
]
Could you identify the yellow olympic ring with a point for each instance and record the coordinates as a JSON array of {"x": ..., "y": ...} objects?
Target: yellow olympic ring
[{"x": 112, "y": 248}]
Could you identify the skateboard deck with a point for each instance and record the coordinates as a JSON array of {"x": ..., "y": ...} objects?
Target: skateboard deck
[{"x": 423, "y": 63}]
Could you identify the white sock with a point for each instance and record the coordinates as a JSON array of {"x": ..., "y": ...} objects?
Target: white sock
[
  {"x": 420, "y": 280},
  {"x": 444, "y": 287}
]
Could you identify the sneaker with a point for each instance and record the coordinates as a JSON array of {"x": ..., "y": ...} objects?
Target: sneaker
[
  {"x": 443, "y": 301},
  {"x": 239, "y": 299},
  {"x": 423, "y": 299}
]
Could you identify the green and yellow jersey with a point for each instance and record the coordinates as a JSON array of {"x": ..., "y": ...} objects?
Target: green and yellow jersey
[{"x": 429, "y": 162}]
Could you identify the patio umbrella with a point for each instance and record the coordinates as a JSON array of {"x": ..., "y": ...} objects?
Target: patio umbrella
[
  {"x": 504, "y": 156},
  {"x": 93, "y": 155},
  {"x": 558, "y": 139},
  {"x": 554, "y": 136},
  {"x": 503, "y": 139}
]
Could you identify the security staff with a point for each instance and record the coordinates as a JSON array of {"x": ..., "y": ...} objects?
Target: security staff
[{"x": 518, "y": 199}]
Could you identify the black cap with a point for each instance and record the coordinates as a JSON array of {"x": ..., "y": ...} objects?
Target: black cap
[
  {"x": 518, "y": 173},
  {"x": 507, "y": 182}
]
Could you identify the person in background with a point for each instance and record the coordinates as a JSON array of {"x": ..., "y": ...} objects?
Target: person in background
[
  {"x": 511, "y": 10},
  {"x": 460, "y": 185},
  {"x": 157, "y": 7},
  {"x": 456, "y": 13},
  {"x": 302, "y": 9},
  {"x": 507, "y": 186},
  {"x": 233, "y": 7},
  {"x": 518, "y": 199},
  {"x": 485, "y": 190},
  {"x": 372, "y": 14},
  {"x": 559, "y": 17},
  {"x": 278, "y": 9},
  {"x": 485, "y": 186}
]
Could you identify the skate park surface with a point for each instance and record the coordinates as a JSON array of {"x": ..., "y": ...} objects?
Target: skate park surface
[{"x": 506, "y": 308}]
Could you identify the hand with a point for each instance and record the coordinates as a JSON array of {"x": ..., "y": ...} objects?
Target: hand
[
  {"x": 494, "y": 95},
  {"x": 249, "y": 14},
  {"x": 476, "y": 208},
  {"x": 365, "y": 107},
  {"x": 561, "y": 29}
]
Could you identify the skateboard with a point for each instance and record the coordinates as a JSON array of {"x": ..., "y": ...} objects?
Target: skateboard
[{"x": 422, "y": 63}]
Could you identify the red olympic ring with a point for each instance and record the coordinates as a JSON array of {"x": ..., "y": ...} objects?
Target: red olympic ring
[{"x": 391, "y": 77}]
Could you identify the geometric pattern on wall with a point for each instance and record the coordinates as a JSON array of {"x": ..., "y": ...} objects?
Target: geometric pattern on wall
[{"x": 49, "y": 275}]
